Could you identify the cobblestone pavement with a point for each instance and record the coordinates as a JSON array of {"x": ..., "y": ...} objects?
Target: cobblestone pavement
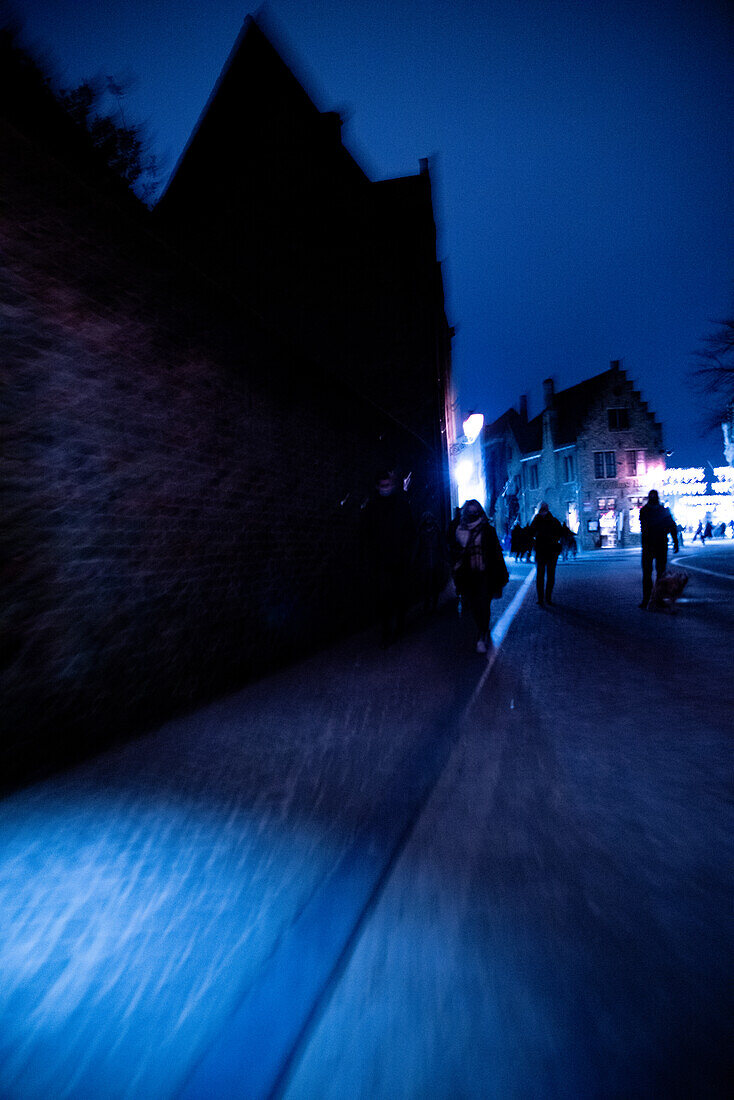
[
  {"x": 144, "y": 893},
  {"x": 551, "y": 922},
  {"x": 559, "y": 924}
]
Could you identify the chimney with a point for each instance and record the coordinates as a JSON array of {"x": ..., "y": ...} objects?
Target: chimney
[
  {"x": 332, "y": 123},
  {"x": 548, "y": 392},
  {"x": 615, "y": 364},
  {"x": 524, "y": 407}
]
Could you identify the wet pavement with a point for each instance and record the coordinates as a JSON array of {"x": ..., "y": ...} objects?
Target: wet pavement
[{"x": 400, "y": 873}]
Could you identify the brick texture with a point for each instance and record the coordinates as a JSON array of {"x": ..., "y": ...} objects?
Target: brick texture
[{"x": 180, "y": 487}]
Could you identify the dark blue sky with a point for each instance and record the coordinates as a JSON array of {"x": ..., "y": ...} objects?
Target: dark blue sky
[{"x": 583, "y": 167}]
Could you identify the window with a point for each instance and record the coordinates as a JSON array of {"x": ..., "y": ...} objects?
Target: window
[
  {"x": 568, "y": 468},
  {"x": 631, "y": 463},
  {"x": 619, "y": 420},
  {"x": 605, "y": 464},
  {"x": 533, "y": 477}
]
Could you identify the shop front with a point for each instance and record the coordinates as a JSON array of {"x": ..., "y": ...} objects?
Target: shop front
[
  {"x": 700, "y": 495},
  {"x": 609, "y": 523}
]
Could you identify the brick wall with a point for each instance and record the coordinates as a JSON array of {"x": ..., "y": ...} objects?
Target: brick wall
[{"x": 180, "y": 489}]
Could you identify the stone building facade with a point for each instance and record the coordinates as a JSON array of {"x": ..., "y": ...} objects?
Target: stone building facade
[
  {"x": 181, "y": 473},
  {"x": 593, "y": 454}
]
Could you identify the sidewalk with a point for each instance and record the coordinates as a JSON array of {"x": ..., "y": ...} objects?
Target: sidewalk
[
  {"x": 559, "y": 923},
  {"x": 152, "y": 895}
]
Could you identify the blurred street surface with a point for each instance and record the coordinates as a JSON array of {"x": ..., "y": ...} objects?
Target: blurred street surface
[{"x": 400, "y": 873}]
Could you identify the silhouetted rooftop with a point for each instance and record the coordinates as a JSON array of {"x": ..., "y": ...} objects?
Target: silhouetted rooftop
[{"x": 571, "y": 407}]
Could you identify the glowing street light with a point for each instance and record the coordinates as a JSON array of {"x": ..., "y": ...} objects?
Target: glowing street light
[
  {"x": 468, "y": 471},
  {"x": 473, "y": 426}
]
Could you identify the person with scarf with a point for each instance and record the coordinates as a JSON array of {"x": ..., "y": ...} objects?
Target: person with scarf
[{"x": 479, "y": 567}]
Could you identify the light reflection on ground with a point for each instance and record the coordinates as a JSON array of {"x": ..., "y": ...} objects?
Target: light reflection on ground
[{"x": 128, "y": 931}]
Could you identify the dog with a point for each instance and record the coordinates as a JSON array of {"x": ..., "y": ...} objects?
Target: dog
[{"x": 667, "y": 589}]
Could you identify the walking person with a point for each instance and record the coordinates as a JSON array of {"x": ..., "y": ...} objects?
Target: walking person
[
  {"x": 567, "y": 541},
  {"x": 479, "y": 568},
  {"x": 546, "y": 532},
  {"x": 430, "y": 562},
  {"x": 387, "y": 533},
  {"x": 516, "y": 540},
  {"x": 656, "y": 523}
]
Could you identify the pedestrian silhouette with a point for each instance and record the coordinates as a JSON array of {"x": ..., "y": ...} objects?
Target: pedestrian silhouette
[
  {"x": 656, "y": 523},
  {"x": 568, "y": 542},
  {"x": 455, "y": 521},
  {"x": 387, "y": 532},
  {"x": 479, "y": 568},
  {"x": 546, "y": 532},
  {"x": 430, "y": 561}
]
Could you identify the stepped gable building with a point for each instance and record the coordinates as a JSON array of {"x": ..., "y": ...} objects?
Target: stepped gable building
[
  {"x": 273, "y": 206},
  {"x": 593, "y": 453}
]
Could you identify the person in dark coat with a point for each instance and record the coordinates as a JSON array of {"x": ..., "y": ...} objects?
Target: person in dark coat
[
  {"x": 656, "y": 523},
  {"x": 479, "y": 567},
  {"x": 516, "y": 541},
  {"x": 526, "y": 544},
  {"x": 388, "y": 533},
  {"x": 455, "y": 521},
  {"x": 430, "y": 561},
  {"x": 568, "y": 542},
  {"x": 546, "y": 532}
]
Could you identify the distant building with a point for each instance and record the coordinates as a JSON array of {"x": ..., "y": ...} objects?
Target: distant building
[
  {"x": 273, "y": 206},
  {"x": 593, "y": 454}
]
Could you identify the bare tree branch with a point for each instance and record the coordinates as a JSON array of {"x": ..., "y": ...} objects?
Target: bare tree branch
[{"x": 713, "y": 373}]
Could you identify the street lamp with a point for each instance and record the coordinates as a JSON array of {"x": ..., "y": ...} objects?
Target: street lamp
[
  {"x": 468, "y": 463},
  {"x": 473, "y": 426}
]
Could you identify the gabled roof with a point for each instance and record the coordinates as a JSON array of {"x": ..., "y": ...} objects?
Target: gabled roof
[
  {"x": 571, "y": 407},
  {"x": 257, "y": 97},
  {"x": 528, "y": 440}
]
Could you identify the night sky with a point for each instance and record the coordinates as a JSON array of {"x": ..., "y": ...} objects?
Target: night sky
[{"x": 583, "y": 154}]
